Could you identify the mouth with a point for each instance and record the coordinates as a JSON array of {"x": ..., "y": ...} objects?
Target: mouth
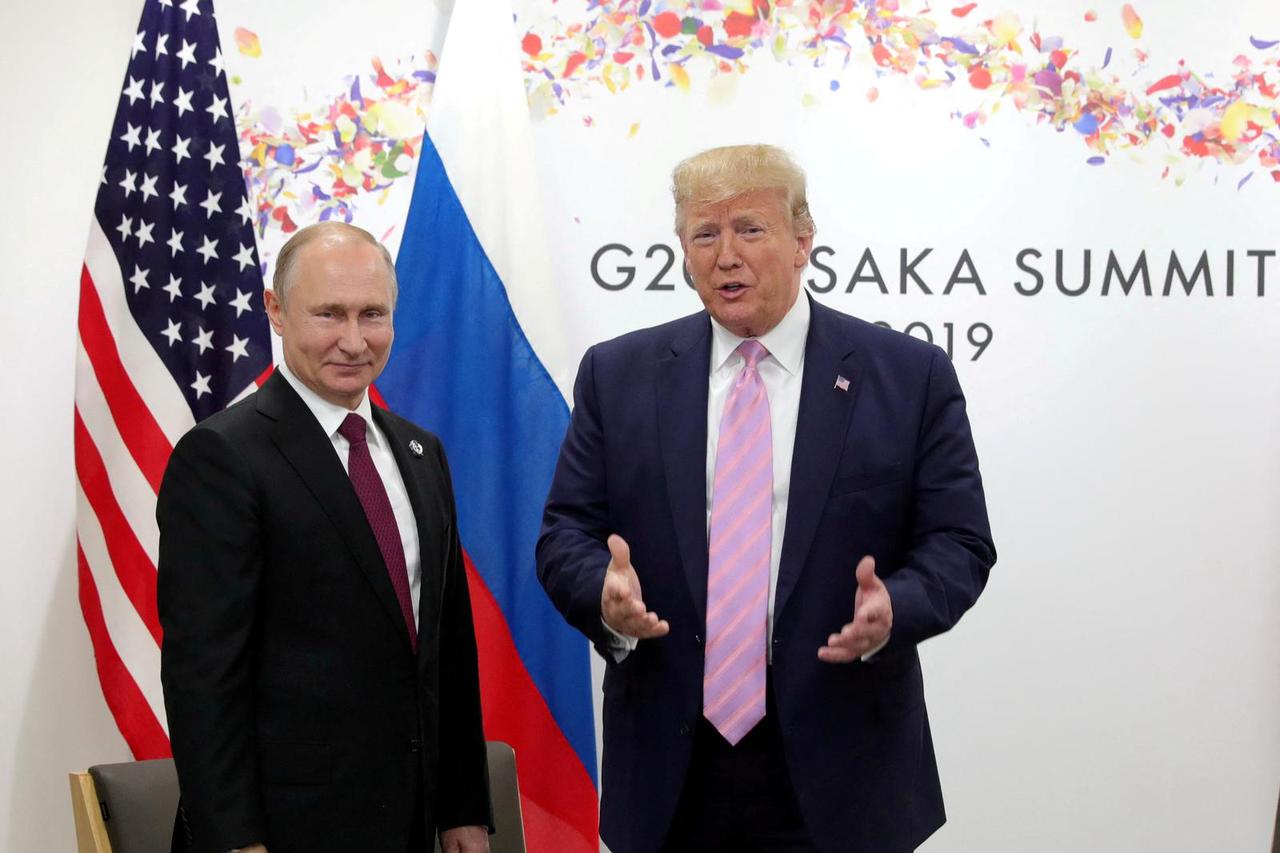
[{"x": 732, "y": 287}]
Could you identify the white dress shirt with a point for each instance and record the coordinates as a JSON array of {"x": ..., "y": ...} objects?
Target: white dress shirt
[{"x": 331, "y": 417}]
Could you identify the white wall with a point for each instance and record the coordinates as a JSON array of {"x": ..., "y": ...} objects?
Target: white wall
[
  {"x": 62, "y": 64},
  {"x": 1118, "y": 688}
]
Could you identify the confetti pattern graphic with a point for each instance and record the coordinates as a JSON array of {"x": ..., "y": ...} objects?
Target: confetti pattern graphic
[
  {"x": 1171, "y": 110},
  {"x": 318, "y": 161},
  {"x": 314, "y": 163}
]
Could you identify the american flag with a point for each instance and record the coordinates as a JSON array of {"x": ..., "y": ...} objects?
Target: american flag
[{"x": 171, "y": 329}]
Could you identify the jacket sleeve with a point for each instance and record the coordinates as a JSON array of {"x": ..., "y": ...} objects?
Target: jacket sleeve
[
  {"x": 572, "y": 555},
  {"x": 463, "y": 786},
  {"x": 949, "y": 552},
  {"x": 210, "y": 566}
]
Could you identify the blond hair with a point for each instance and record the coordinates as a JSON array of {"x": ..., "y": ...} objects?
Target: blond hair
[
  {"x": 720, "y": 174},
  {"x": 332, "y": 232}
]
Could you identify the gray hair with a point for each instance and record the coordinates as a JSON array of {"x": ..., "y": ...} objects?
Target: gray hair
[{"x": 332, "y": 232}]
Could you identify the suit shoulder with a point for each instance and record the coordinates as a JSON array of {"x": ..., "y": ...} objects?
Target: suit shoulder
[
  {"x": 654, "y": 340},
  {"x": 233, "y": 421},
  {"x": 878, "y": 341}
]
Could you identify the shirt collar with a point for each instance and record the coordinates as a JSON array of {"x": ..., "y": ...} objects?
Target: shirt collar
[
  {"x": 329, "y": 414},
  {"x": 785, "y": 341}
]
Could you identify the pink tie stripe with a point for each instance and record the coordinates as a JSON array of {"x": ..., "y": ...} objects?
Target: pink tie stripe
[
  {"x": 732, "y": 600},
  {"x": 756, "y": 484},
  {"x": 714, "y": 670},
  {"x": 727, "y": 536},
  {"x": 733, "y": 684}
]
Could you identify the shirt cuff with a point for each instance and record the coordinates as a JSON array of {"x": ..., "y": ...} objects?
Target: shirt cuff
[
  {"x": 620, "y": 645},
  {"x": 869, "y": 655}
]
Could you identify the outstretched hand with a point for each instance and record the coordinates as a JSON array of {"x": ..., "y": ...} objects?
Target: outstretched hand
[
  {"x": 620, "y": 602},
  {"x": 872, "y": 619}
]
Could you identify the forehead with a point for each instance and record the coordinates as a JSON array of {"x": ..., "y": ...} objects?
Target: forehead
[
  {"x": 768, "y": 204},
  {"x": 341, "y": 270}
]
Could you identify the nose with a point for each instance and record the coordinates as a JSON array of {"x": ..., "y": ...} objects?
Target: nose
[
  {"x": 351, "y": 342},
  {"x": 727, "y": 251}
]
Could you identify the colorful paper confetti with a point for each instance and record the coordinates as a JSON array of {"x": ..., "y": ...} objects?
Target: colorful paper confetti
[
  {"x": 247, "y": 42},
  {"x": 1179, "y": 114},
  {"x": 319, "y": 161}
]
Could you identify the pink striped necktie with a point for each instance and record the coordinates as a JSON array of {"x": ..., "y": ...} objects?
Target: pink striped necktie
[{"x": 733, "y": 681}]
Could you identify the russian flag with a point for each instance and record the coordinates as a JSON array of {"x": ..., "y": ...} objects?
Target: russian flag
[{"x": 476, "y": 334}]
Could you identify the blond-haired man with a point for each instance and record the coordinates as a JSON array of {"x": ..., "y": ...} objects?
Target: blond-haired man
[{"x": 759, "y": 512}]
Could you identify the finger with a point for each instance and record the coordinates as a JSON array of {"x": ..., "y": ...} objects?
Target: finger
[
  {"x": 619, "y": 551},
  {"x": 653, "y": 627},
  {"x": 849, "y": 645},
  {"x": 876, "y": 614},
  {"x": 836, "y": 654},
  {"x": 866, "y": 574},
  {"x": 644, "y": 626},
  {"x": 858, "y": 635}
]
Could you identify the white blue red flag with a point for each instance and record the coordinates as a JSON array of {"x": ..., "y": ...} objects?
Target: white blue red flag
[{"x": 475, "y": 333}]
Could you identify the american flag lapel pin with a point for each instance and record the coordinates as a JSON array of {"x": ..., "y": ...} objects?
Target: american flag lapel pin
[
  {"x": 842, "y": 384},
  {"x": 415, "y": 448}
]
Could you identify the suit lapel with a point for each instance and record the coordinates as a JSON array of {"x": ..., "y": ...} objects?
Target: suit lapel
[
  {"x": 429, "y": 517},
  {"x": 821, "y": 426},
  {"x": 310, "y": 452},
  {"x": 682, "y": 379}
]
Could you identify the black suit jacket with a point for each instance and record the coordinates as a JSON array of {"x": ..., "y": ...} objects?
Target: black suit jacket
[
  {"x": 298, "y": 714},
  {"x": 884, "y": 467}
]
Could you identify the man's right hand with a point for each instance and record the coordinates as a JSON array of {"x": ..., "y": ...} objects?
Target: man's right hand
[
  {"x": 620, "y": 602},
  {"x": 254, "y": 848}
]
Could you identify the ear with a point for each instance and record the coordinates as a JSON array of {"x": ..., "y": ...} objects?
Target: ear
[
  {"x": 275, "y": 311},
  {"x": 804, "y": 245}
]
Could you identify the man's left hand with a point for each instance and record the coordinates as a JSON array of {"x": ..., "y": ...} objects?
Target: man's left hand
[
  {"x": 465, "y": 839},
  {"x": 872, "y": 619}
]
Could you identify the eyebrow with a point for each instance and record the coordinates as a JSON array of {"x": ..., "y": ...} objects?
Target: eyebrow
[{"x": 338, "y": 307}]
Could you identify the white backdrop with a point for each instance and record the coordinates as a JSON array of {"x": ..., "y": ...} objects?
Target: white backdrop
[{"x": 1117, "y": 687}]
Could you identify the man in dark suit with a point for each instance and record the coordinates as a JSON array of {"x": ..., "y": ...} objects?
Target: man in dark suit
[
  {"x": 319, "y": 661},
  {"x": 758, "y": 514}
]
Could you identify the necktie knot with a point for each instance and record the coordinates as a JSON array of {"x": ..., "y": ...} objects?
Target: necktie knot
[
  {"x": 353, "y": 429},
  {"x": 752, "y": 351}
]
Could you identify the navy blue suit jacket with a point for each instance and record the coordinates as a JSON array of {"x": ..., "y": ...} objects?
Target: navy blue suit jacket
[{"x": 886, "y": 467}]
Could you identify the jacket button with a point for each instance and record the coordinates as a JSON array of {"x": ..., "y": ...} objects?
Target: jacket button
[
  {"x": 684, "y": 730},
  {"x": 697, "y": 638},
  {"x": 414, "y": 745}
]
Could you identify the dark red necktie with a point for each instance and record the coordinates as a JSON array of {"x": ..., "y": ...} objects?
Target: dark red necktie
[{"x": 377, "y": 508}]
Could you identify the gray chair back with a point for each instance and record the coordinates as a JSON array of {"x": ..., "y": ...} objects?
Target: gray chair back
[
  {"x": 504, "y": 789},
  {"x": 138, "y": 800}
]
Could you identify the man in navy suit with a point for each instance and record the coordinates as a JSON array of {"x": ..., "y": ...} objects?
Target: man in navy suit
[{"x": 758, "y": 514}]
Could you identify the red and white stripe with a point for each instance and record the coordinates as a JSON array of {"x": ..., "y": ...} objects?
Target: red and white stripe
[{"x": 128, "y": 414}]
